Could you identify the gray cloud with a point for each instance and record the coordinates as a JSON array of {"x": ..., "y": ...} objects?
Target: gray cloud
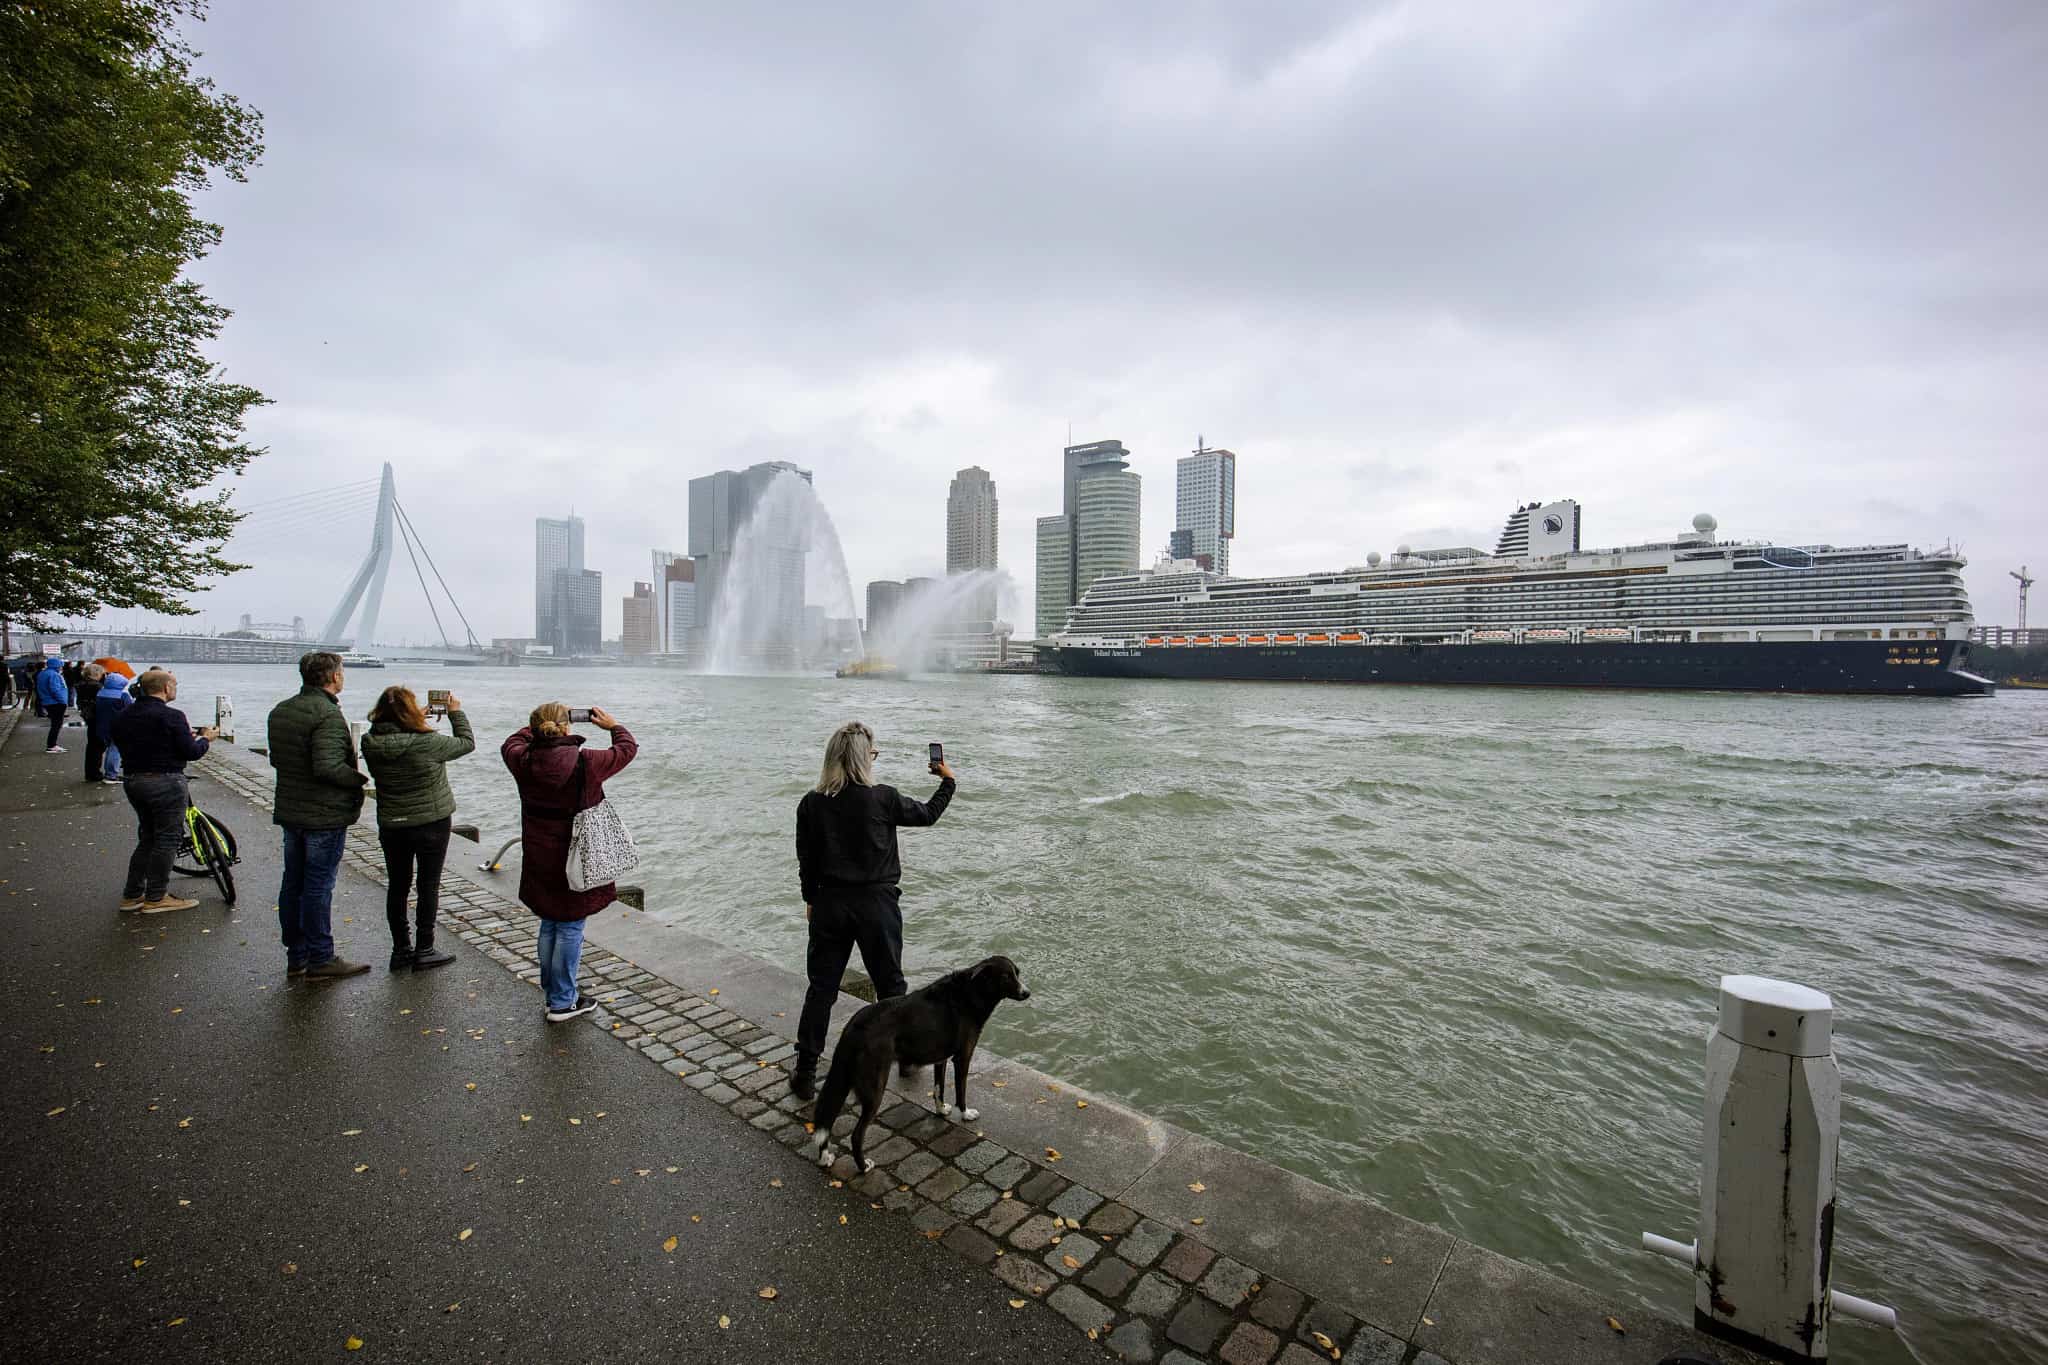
[{"x": 1415, "y": 263}]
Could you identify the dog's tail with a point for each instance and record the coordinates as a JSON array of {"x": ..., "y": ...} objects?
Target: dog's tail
[{"x": 832, "y": 1095}]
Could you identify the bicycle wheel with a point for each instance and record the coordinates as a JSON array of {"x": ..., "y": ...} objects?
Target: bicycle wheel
[
  {"x": 196, "y": 855},
  {"x": 219, "y": 859}
]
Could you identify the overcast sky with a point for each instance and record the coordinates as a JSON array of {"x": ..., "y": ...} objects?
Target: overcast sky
[{"x": 1415, "y": 263}]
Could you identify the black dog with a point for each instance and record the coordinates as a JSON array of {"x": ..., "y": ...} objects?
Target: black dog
[{"x": 927, "y": 1027}]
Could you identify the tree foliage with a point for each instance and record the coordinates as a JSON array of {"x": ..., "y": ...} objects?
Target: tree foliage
[{"x": 113, "y": 421}]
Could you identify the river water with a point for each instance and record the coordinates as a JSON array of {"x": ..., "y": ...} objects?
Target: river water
[{"x": 1452, "y": 949}]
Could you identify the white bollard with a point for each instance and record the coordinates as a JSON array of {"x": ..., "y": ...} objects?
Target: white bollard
[
  {"x": 1767, "y": 1178},
  {"x": 224, "y": 717}
]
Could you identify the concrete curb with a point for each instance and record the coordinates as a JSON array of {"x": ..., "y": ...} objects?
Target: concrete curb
[{"x": 1157, "y": 1242}]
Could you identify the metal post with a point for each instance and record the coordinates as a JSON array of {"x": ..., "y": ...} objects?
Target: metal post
[
  {"x": 224, "y": 717},
  {"x": 1767, "y": 1178}
]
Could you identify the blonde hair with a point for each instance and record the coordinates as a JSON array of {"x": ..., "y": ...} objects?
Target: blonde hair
[
  {"x": 849, "y": 757},
  {"x": 550, "y": 720}
]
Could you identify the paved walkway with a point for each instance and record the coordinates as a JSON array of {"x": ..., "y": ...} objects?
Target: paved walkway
[{"x": 204, "y": 1163}]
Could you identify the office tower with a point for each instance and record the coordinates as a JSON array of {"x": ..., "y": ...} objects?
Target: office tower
[
  {"x": 577, "y": 613},
  {"x": 659, "y": 578},
  {"x": 1096, "y": 533},
  {"x": 557, "y": 545},
  {"x": 1205, "y": 507},
  {"x": 1105, "y": 519},
  {"x": 722, "y": 505},
  {"x": 1055, "y": 573},
  {"x": 971, "y": 536},
  {"x": 640, "y": 622},
  {"x": 679, "y": 606},
  {"x": 885, "y": 597}
]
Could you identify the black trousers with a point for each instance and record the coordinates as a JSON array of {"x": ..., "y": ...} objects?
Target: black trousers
[
  {"x": 870, "y": 917},
  {"x": 406, "y": 848},
  {"x": 159, "y": 801},
  {"x": 56, "y": 715},
  {"x": 95, "y": 754}
]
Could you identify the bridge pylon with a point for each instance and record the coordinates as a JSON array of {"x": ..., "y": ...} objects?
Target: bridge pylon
[{"x": 367, "y": 587}]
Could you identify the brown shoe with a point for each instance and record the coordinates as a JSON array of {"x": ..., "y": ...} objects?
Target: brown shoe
[
  {"x": 131, "y": 902},
  {"x": 163, "y": 903},
  {"x": 334, "y": 968}
]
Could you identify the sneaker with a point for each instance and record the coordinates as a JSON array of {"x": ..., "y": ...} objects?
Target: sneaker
[
  {"x": 430, "y": 957},
  {"x": 131, "y": 902},
  {"x": 584, "y": 1005},
  {"x": 54, "y": 749},
  {"x": 803, "y": 1082},
  {"x": 112, "y": 782},
  {"x": 334, "y": 968},
  {"x": 294, "y": 970},
  {"x": 401, "y": 958},
  {"x": 166, "y": 902}
]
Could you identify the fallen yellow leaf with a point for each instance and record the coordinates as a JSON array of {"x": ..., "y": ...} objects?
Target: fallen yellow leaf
[
  {"x": 179, "y": 1010},
  {"x": 185, "y": 1123},
  {"x": 767, "y": 1291},
  {"x": 1198, "y": 1187},
  {"x": 405, "y": 1011},
  {"x": 999, "y": 1084},
  {"x": 670, "y": 1244},
  {"x": 1616, "y": 1325},
  {"x": 576, "y": 1123},
  {"x": 141, "y": 1261},
  {"x": 54, "y": 1112},
  {"x": 1070, "y": 1263},
  {"x": 1016, "y": 1303},
  {"x": 712, "y": 991},
  {"x": 774, "y": 1184},
  {"x": 1080, "y": 1104},
  {"x": 1324, "y": 1341},
  {"x": 184, "y": 1203},
  {"x": 599, "y": 1114},
  {"x": 175, "y": 1322},
  {"x": 723, "y": 1322},
  {"x": 1198, "y": 1221},
  {"x": 470, "y": 1086},
  {"x": 463, "y": 1236},
  {"x": 1386, "y": 1260},
  {"x": 526, "y": 1118},
  {"x": 470, "y": 1167},
  {"x": 648, "y": 1171},
  {"x": 696, "y": 1217},
  {"x": 351, "y": 1132},
  {"x": 353, "y": 1344},
  {"x": 671, "y": 1169},
  {"x": 1052, "y": 1154},
  {"x": 291, "y": 1267},
  {"x": 361, "y": 1167},
  {"x": 842, "y": 1220},
  {"x": 452, "y": 1307}
]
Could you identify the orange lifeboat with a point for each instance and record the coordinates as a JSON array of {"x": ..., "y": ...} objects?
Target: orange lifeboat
[
  {"x": 1205, "y": 639},
  {"x": 1155, "y": 639},
  {"x": 1286, "y": 639},
  {"x": 1177, "y": 639},
  {"x": 1351, "y": 637},
  {"x": 1226, "y": 639},
  {"x": 1317, "y": 639}
]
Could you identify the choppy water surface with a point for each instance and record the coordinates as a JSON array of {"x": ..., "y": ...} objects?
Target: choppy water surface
[{"x": 1454, "y": 949}]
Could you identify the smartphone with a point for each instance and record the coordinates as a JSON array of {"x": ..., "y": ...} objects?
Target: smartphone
[
  {"x": 437, "y": 700},
  {"x": 579, "y": 715},
  {"x": 938, "y": 753}
]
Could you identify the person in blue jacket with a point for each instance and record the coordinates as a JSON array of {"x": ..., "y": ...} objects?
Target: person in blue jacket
[
  {"x": 112, "y": 700},
  {"x": 53, "y": 694}
]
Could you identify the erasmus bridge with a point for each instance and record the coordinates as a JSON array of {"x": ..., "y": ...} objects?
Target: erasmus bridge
[{"x": 284, "y": 527}]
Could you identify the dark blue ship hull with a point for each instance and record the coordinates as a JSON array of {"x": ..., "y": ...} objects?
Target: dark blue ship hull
[{"x": 1893, "y": 668}]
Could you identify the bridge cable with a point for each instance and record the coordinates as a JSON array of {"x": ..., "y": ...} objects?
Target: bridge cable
[
  {"x": 406, "y": 518},
  {"x": 425, "y": 591}
]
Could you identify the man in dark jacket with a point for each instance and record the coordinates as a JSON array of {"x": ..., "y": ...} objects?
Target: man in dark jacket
[
  {"x": 848, "y": 865},
  {"x": 319, "y": 795},
  {"x": 156, "y": 743}
]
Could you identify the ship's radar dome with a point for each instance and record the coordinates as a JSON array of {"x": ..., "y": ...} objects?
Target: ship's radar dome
[
  {"x": 1372, "y": 560},
  {"x": 1705, "y": 524},
  {"x": 1400, "y": 552}
]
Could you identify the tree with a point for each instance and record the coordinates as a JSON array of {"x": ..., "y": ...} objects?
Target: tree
[{"x": 113, "y": 422}]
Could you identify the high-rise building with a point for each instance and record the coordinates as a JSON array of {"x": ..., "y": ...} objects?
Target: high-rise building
[
  {"x": 1205, "y": 507},
  {"x": 1096, "y": 533},
  {"x": 971, "y": 536},
  {"x": 679, "y": 606},
  {"x": 885, "y": 597},
  {"x": 971, "y": 521},
  {"x": 1055, "y": 573},
  {"x": 577, "y": 613},
  {"x": 639, "y": 632},
  {"x": 557, "y": 545},
  {"x": 661, "y": 560},
  {"x": 722, "y": 505}
]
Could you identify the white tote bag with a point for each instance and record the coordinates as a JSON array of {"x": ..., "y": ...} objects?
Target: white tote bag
[{"x": 601, "y": 850}]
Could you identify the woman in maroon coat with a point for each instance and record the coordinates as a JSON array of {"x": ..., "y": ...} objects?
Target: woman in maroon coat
[{"x": 557, "y": 779}]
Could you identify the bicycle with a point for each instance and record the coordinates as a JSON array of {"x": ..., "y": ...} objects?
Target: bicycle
[{"x": 211, "y": 845}]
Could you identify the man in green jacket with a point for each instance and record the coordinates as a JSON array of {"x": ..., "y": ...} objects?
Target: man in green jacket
[{"x": 319, "y": 795}]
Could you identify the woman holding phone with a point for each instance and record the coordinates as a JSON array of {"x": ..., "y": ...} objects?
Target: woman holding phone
[
  {"x": 847, "y": 861},
  {"x": 557, "y": 778},
  {"x": 415, "y": 809}
]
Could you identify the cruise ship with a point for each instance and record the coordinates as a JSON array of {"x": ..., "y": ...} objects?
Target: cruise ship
[{"x": 1691, "y": 612}]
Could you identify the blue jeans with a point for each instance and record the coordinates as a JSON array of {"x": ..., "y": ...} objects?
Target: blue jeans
[
  {"x": 113, "y": 768},
  {"x": 305, "y": 899},
  {"x": 560, "y": 950}
]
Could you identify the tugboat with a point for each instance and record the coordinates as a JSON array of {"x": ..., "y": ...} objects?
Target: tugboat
[
  {"x": 352, "y": 659},
  {"x": 871, "y": 668}
]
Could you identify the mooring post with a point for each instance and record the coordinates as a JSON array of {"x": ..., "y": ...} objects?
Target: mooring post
[
  {"x": 224, "y": 717},
  {"x": 1767, "y": 1178}
]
